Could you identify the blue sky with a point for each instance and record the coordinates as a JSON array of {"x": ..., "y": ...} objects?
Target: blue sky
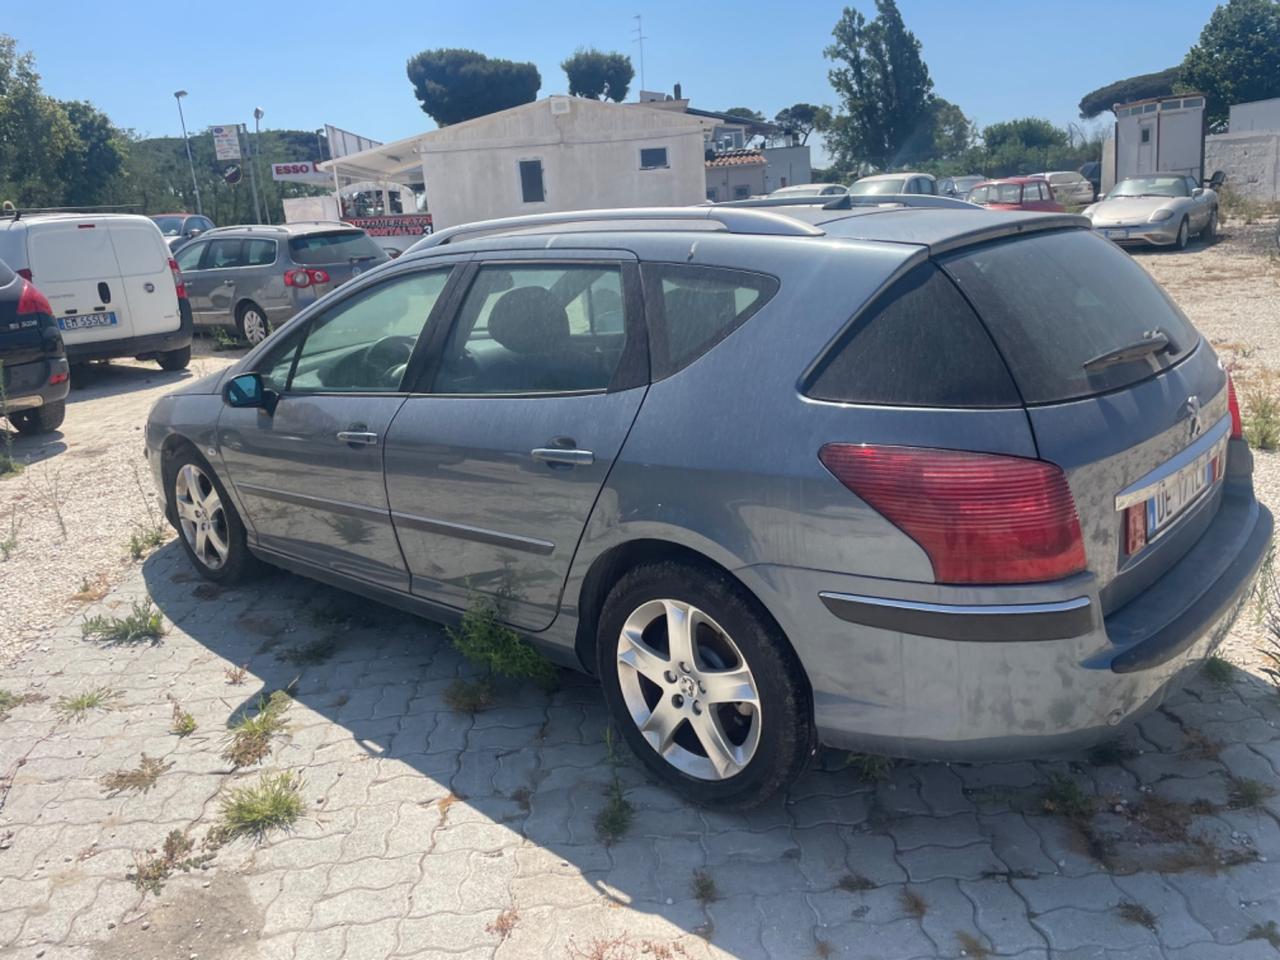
[{"x": 308, "y": 63}]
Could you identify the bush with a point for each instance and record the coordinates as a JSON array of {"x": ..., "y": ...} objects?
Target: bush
[{"x": 489, "y": 643}]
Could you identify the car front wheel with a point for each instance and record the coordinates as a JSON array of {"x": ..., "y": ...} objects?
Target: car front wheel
[
  {"x": 1210, "y": 232},
  {"x": 1184, "y": 234},
  {"x": 212, "y": 533},
  {"x": 702, "y": 685}
]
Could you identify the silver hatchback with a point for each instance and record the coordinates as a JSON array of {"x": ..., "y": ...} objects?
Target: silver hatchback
[
  {"x": 931, "y": 482},
  {"x": 254, "y": 278}
]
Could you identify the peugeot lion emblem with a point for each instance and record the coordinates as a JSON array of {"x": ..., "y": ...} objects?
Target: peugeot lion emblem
[{"x": 1193, "y": 417}]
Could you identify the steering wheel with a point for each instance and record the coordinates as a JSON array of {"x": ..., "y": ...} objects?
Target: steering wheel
[{"x": 387, "y": 358}]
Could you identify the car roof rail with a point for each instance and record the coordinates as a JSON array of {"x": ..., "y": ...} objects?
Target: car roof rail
[
  {"x": 848, "y": 201},
  {"x": 274, "y": 228},
  {"x": 733, "y": 221}
]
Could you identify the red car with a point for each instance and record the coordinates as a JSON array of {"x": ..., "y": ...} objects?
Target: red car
[{"x": 1016, "y": 193}]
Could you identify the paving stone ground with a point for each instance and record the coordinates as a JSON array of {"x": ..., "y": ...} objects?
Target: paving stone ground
[{"x": 430, "y": 833}]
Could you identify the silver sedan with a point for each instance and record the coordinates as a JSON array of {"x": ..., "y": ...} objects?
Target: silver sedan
[{"x": 1165, "y": 209}]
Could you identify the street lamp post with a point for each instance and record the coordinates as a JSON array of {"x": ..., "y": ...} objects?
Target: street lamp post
[
  {"x": 178, "y": 95},
  {"x": 257, "y": 152}
]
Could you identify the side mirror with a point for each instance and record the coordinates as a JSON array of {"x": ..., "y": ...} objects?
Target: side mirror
[
  {"x": 194, "y": 232},
  {"x": 248, "y": 390},
  {"x": 1217, "y": 180}
]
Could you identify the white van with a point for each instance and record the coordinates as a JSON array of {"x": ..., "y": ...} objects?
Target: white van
[{"x": 112, "y": 284}]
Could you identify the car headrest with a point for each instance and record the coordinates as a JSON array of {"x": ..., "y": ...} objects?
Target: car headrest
[{"x": 529, "y": 320}]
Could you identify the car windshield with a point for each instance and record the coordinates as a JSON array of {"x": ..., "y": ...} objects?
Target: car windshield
[
  {"x": 996, "y": 193},
  {"x": 337, "y": 246},
  {"x": 805, "y": 190},
  {"x": 169, "y": 226},
  {"x": 1150, "y": 187},
  {"x": 875, "y": 188}
]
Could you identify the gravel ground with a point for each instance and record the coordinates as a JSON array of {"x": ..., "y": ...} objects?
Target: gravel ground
[{"x": 92, "y": 474}]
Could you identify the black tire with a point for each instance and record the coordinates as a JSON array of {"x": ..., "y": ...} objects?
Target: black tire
[
  {"x": 175, "y": 359},
  {"x": 1210, "y": 232},
  {"x": 253, "y": 333},
  {"x": 1184, "y": 235},
  {"x": 786, "y": 733},
  {"x": 43, "y": 419},
  {"x": 239, "y": 562}
]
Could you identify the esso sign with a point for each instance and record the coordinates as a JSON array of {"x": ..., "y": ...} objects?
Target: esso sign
[
  {"x": 280, "y": 168},
  {"x": 303, "y": 171}
]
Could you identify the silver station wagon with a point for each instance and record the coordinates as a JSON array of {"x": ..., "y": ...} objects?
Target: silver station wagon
[{"x": 931, "y": 482}]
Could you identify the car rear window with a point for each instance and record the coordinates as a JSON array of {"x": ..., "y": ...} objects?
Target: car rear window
[
  {"x": 6, "y": 275},
  {"x": 918, "y": 344},
  {"x": 695, "y": 307},
  {"x": 336, "y": 246},
  {"x": 1053, "y": 301}
]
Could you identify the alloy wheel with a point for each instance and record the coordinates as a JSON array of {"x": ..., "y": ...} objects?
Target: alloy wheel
[
  {"x": 202, "y": 516},
  {"x": 255, "y": 326},
  {"x": 688, "y": 689}
]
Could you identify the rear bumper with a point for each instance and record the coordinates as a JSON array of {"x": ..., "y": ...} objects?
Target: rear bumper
[
  {"x": 997, "y": 673},
  {"x": 27, "y": 385},
  {"x": 143, "y": 347}
]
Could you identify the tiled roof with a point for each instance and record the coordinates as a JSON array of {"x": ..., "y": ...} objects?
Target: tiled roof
[{"x": 737, "y": 158}]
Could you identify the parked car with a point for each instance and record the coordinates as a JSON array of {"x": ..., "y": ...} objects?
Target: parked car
[
  {"x": 1162, "y": 208},
  {"x": 964, "y": 506},
  {"x": 178, "y": 228},
  {"x": 33, "y": 360},
  {"x": 255, "y": 278},
  {"x": 1068, "y": 186},
  {"x": 958, "y": 187},
  {"x": 1016, "y": 193},
  {"x": 894, "y": 183},
  {"x": 811, "y": 190},
  {"x": 114, "y": 289},
  {"x": 1092, "y": 171}
]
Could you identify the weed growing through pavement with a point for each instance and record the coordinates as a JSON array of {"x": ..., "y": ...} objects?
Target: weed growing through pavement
[
  {"x": 822, "y": 949},
  {"x": 311, "y": 653},
  {"x": 855, "y": 883},
  {"x": 235, "y": 675},
  {"x": 224, "y": 339},
  {"x": 504, "y": 923},
  {"x": 1245, "y": 794},
  {"x": 971, "y": 946},
  {"x": 1218, "y": 670},
  {"x": 1063, "y": 795},
  {"x": 1268, "y": 932},
  {"x": 1136, "y": 914},
  {"x": 138, "y": 780},
  {"x": 1269, "y": 602},
  {"x": 913, "y": 905},
  {"x": 9, "y": 700},
  {"x": 8, "y": 465},
  {"x": 870, "y": 767},
  {"x": 1262, "y": 419},
  {"x": 152, "y": 869},
  {"x": 77, "y": 707},
  {"x": 614, "y": 819},
  {"x": 703, "y": 887},
  {"x": 487, "y": 642},
  {"x": 251, "y": 734},
  {"x": 469, "y": 696},
  {"x": 154, "y": 532},
  {"x": 1111, "y": 752},
  {"x": 184, "y": 724},
  {"x": 48, "y": 490},
  {"x": 10, "y": 542},
  {"x": 144, "y": 622},
  {"x": 91, "y": 590},
  {"x": 273, "y": 803}
]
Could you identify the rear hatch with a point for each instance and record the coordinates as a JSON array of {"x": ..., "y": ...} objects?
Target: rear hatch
[
  {"x": 26, "y": 338},
  {"x": 340, "y": 253},
  {"x": 74, "y": 264},
  {"x": 145, "y": 276},
  {"x": 1120, "y": 391}
]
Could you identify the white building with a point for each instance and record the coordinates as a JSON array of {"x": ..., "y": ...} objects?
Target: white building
[
  {"x": 1263, "y": 115},
  {"x": 559, "y": 153},
  {"x": 1161, "y": 135}
]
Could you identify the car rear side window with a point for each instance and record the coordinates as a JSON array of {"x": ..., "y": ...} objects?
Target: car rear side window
[
  {"x": 259, "y": 253},
  {"x": 918, "y": 344},
  {"x": 692, "y": 308},
  {"x": 336, "y": 246},
  {"x": 1054, "y": 301}
]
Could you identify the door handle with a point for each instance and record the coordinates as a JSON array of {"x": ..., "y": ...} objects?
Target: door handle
[
  {"x": 358, "y": 438},
  {"x": 558, "y": 457},
  {"x": 228, "y": 283}
]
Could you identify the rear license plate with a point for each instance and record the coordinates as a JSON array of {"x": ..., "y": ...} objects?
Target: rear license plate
[
  {"x": 1178, "y": 492},
  {"x": 87, "y": 320}
]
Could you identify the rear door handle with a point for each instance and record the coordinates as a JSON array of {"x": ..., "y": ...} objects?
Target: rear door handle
[
  {"x": 228, "y": 283},
  {"x": 358, "y": 438},
  {"x": 569, "y": 458}
]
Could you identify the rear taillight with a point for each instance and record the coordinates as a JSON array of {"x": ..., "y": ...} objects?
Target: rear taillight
[
  {"x": 32, "y": 300},
  {"x": 981, "y": 518},
  {"x": 178, "y": 283},
  {"x": 1233, "y": 404},
  {"x": 305, "y": 278},
  {"x": 60, "y": 377},
  {"x": 25, "y": 273}
]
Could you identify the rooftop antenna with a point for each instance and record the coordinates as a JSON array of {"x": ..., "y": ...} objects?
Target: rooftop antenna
[{"x": 640, "y": 38}]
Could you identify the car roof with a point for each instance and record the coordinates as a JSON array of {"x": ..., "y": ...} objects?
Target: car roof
[
  {"x": 294, "y": 229},
  {"x": 894, "y": 176},
  {"x": 1029, "y": 178},
  {"x": 27, "y": 219}
]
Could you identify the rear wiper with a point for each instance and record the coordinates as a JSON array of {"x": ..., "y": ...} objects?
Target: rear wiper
[{"x": 1153, "y": 342}]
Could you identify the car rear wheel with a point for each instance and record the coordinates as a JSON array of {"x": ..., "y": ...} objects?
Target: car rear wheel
[
  {"x": 212, "y": 533},
  {"x": 253, "y": 324},
  {"x": 1210, "y": 232},
  {"x": 704, "y": 689},
  {"x": 1184, "y": 234},
  {"x": 43, "y": 419},
  {"x": 175, "y": 359}
]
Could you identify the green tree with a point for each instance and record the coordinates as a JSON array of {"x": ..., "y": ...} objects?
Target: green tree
[
  {"x": 803, "y": 119},
  {"x": 35, "y": 133},
  {"x": 1237, "y": 58},
  {"x": 454, "y": 85},
  {"x": 1126, "y": 91},
  {"x": 91, "y": 166},
  {"x": 884, "y": 88},
  {"x": 746, "y": 113},
  {"x": 598, "y": 75},
  {"x": 952, "y": 132}
]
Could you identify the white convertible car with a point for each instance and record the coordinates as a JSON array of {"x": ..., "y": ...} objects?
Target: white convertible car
[{"x": 1160, "y": 208}]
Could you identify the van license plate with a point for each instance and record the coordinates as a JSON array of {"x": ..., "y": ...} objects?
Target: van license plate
[
  {"x": 84, "y": 321},
  {"x": 1176, "y": 493}
]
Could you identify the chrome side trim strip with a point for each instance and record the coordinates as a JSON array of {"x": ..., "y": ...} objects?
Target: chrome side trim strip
[
  {"x": 478, "y": 534},
  {"x": 319, "y": 503},
  {"x": 1145, "y": 486}
]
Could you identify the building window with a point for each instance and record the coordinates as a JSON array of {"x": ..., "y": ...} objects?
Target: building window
[
  {"x": 653, "y": 158},
  {"x": 1146, "y": 134},
  {"x": 741, "y": 192},
  {"x": 531, "y": 181},
  {"x": 713, "y": 194}
]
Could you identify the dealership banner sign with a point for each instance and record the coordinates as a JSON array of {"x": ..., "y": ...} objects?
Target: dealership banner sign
[
  {"x": 302, "y": 171},
  {"x": 226, "y": 141},
  {"x": 397, "y": 225}
]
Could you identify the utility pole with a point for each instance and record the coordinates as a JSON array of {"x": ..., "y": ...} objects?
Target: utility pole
[
  {"x": 640, "y": 38},
  {"x": 253, "y": 179},
  {"x": 257, "y": 153},
  {"x": 178, "y": 95}
]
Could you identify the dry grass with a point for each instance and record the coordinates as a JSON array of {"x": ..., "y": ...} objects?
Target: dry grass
[
  {"x": 251, "y": 735},
  {"x": 153, "y": 868},
  {"x": 1246, "y": 794},
  {"x": 855, "y": 883},
  {"x": 469, "y": 696},
  {"x": 310, "y": 654},
  {"x": 703, "y": 887},
  {"x": 1136, "y": 914},
  {"x": 184, "y": 724},
  {"x": 236, "y": 675},
  {"x": 624, "y": 947},
  {"x": 92, "y": 590},
  {"x": 523, "y": 797},
  {"x": 138, "y": 780},
  {"x": 971, "y": 946},
  {"x": 10, "y": 700},
  {"x": 1268, "y": 932},
  {"x": 504, "y": 923},
  {"x": 913, "y": 905}
]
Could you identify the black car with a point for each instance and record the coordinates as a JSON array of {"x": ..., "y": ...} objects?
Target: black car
[{"x": 33, "y": 361}]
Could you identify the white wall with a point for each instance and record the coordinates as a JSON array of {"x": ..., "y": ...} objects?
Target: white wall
[
  {"x": 1258, "y": 115},
  {"x": 786, "y": 163},
  {"x": 590, "y": 155},
  {"x": 1251, "y": 162}
]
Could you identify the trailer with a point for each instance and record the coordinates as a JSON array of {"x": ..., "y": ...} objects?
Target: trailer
[{"x": 1159, "y": 135}]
